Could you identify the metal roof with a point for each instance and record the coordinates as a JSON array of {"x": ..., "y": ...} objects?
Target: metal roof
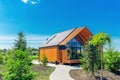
[{"x": 56, "y": 39}]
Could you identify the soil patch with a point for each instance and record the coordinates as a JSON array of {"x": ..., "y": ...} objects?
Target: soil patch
[{"x": 83, "y": 75}]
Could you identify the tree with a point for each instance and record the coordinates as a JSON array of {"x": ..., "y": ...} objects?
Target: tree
[
  {"x": 100, "y": 39},
  {"x": 20, "y": 42},
  {"x": 89, "y": 58},
  {"x": 19, "y": 61},
  {"x": 18, "y": 66}
]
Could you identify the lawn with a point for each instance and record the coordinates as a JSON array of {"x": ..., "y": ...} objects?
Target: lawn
[
  {"x": 2, "y": 70},
  {"x": 42, "y": 73},
  {"x": 83, "y": 75},
  {"x": 34, "y": 57}
]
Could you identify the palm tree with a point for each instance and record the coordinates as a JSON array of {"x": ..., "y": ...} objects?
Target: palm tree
[{"x": 100, "y": 39}]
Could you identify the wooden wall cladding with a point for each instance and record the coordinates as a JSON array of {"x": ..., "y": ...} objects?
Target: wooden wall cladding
[{"x": 50, "y": 52}]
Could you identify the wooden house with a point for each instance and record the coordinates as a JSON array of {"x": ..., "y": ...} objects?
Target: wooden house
[{"x": 64, "y": 47}]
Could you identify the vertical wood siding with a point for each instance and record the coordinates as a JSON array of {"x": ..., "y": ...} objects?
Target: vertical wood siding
[{"x": 50, "y": 52}]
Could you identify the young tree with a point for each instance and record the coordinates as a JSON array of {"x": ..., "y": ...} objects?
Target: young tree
[
  {"x": 18, "y": 66},
  {"x": 100, "y": 39},
  {"x": 18, "y": 63},
  {"x": 89, "y": 58},
  {"x": 20, "y": 42}
]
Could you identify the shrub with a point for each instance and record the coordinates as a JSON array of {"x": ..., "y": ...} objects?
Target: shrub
[
  {"x": 18, "y": 66},
  {"x": 111, "y": 60},
  {"x": 89, "y": 59},
  {"x": 1, "y": 58},
  {"x": 44, "y": 60}
]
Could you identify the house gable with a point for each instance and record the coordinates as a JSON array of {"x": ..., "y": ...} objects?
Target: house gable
[{"x": 81, "y": 34}]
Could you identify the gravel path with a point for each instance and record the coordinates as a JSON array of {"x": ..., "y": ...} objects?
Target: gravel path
[{"x": 61, "y": 72}]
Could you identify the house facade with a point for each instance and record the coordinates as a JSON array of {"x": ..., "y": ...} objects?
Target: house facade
[{"x": 65, "y": 47}]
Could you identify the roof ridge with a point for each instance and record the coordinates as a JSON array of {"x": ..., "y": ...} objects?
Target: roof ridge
[
  {"x": 65, "y": 31},
  {"x": 68, "y": 34}
]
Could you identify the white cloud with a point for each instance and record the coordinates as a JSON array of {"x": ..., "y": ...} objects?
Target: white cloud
[
  {"x": 116, "y": 43},
  {"x": 25, "y": 1},
  {"x": 7, "y": 41},
  {"x": 31, "y": 1}
]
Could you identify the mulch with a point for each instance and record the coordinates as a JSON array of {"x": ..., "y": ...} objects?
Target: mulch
[{"x": 83, "y": 75}]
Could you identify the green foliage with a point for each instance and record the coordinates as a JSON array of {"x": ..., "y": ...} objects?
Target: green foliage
[
  {"x": 111, "y": 60},
  {"x": 44, "y": 60},
  {"x": 18, "y": 66},
  {"x": 34, "y": 57},
  {"x": 100, "y": 39},
  {"x": 20, "y": 42},
  {"x": 3, "y": 51},
  {"x": 1, "y": 59},
  {"x": 89, "y": 59},
  {"x": 32, "y": 51}
]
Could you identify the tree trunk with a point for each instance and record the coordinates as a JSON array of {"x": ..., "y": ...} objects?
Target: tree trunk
[{"x": 101, "y": 62}]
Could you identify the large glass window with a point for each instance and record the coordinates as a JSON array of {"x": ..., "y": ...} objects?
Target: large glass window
[{"x": 74, "y": 49}]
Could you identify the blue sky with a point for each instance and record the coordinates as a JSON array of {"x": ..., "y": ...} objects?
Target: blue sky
[{"x": 39, "y": 19}]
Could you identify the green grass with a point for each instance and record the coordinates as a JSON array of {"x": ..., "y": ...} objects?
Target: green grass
[
  {"x": 43, "y": 73},
  {"x": 34, "y": 57},
  {"x": 2, "y": 70}
]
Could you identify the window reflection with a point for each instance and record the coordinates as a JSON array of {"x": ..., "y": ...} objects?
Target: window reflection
[{"x": 73, "y": 49}]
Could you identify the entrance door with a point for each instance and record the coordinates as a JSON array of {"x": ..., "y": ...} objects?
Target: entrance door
[
  {"x": 60, "y": 56},
  {"x": 62, "y": 50}
]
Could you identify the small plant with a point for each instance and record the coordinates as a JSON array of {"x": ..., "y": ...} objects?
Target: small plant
[{"x": 44, "y": 60}]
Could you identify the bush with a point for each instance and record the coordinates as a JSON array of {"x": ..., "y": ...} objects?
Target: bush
[
  {"x": 44, "y": 60},
  {"x": 18, "y": 66},
  {"x": 90, "y": 60},
  {"x": 111, "y": 60},
  {"x": 1, "y": 58}
]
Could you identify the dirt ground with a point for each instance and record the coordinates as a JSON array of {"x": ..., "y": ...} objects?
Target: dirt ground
[{"x": 83, "y": 75}]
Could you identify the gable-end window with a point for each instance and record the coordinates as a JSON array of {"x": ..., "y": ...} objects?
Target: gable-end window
[{"x": 74, "y": 49}]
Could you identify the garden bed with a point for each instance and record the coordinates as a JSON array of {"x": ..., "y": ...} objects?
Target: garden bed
[
  {"x": 43, "y": 73},
  {"x": 83, "y": 75}
]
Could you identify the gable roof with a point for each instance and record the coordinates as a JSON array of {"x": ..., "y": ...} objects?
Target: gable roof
[
  {"x": 63, "y": 37},
  {"x": 57, "y": 38}
]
